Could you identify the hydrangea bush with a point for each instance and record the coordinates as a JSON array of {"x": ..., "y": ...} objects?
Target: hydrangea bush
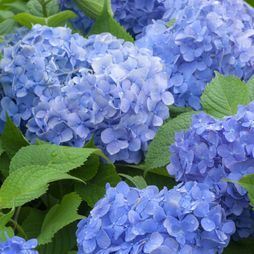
[
  {"x": 133, "y": 15},
  {"x": 207, "y": 36},
  {"x": 214, "y": 150},
  {"x": 185, "y": 219},
  {"x": 92, "y": 102},
  {"x": 63, "y": 88}
]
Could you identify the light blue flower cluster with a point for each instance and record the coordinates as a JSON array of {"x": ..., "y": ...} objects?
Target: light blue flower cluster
[
  {"x": 183, "y": 220},
  {"x": 63, "y": 88},
  {"x": 17, "y": 245},
  {"x": 208, "y": 36},
  {"x": 214, "y": 150},
  {"x": 132, "y": 14}
]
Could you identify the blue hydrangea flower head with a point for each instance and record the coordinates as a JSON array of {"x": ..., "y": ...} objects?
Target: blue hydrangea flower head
[
  {"x": 213, "y": 150},
  {"x": 63, "y": 88},
  {"x": 17, "y": 245},
  {"x": 132, "y": 14},
  {"x": 183, "y": 220},
  {"x": 207, "y": 36}
]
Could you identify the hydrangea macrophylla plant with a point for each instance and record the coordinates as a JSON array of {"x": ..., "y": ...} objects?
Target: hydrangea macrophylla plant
[
  {"x": 208, "y": 36},
  {"x": 63, "y": 88},
  {"x": 182, "y": 220},
  {"x": 213, "y": 150},
  {"x": 133, "y": 15},
  {"x": 17, "y": 245}
]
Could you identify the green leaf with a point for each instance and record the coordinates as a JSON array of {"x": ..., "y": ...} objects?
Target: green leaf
[
  {"x": 63, "y": 242},
  {"x": 250, "y": 85},
  {"x": 15, "y": 5},
  {"x": 27, "y": 184},
  {"x": 32, "y": 222},
  {"x": 60, "y": 216},
  {"x": 5, "y": 218},
  {"x": 91, "y": 8},
  {"x": 5, "y": 14},
  {"x": 158, "y": 152},
  {"x": 4, "y": 164},
  {"x": 106, "y": 23},
  {"x": 12, "y": 138},
  {"x": 95, "y": 189},
  {"x": 223, "y": 95},
  {"x": 175, "y": 111},
  {"x": 5, "y": 233},
  {"x": 138, "y": 181},
  {"x": 243, "y": 246},
  {"x": 43, "y": 8},
  {"x": 250, "y": 2},
  {"x": 59, "y": 19},
  {"x": 62, "y": 158},
  {"x": 1, "y": 147},
  {"x": 7, "y": 26},
  {"x": 247, "y": 182}
]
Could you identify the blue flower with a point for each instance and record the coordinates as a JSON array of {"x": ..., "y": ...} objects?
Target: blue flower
[
  {"x": 63, "y": 88},
  {"x": 208, "y": 36},
  {"x": 133, "y": 15},
  {"x": 17, "y": 245},
  {"x": 186, "y": 219},
  {"x": 213, "y": 150}
]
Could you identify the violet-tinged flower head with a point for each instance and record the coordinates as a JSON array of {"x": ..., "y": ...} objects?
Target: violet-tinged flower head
[
  {"x": 182, "y": 220},
  {"x": 133, "y": 15},
  {"x": 208, "y": 36},
  {"x": 213, "y": 150},
  {"x": 17, "y": 245},
  {"x": 63, "y": 88}
]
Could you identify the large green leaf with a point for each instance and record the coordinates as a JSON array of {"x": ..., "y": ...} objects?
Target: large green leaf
[
  {"x": 59, "y": 19},
  {"x": 62, "y": 158},
  {"x": 12, "y": 138},
  {"x": 158, "y": 152},
  {"x": 250, "y": 2},
  {"x": 28, "y": 183},
  {"x": 91, "y": 8},
  {"x": 93, "y": 190},
  {"x": 106, "y": 23},
  {"x": 60, "y": 216},
  {"x": 63, "y": 242},
  {"x": 223, "y": 95}
]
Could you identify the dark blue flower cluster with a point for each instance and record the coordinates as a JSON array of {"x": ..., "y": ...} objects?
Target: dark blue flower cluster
[
  {"x": 133, "y": 15},
  {"x": 63, "y": 88},
  {"x": 208, "y": 36},
  {"x": 17, "y": 245},
  {"x": 183, "y": 220},
  {"x": 213, "y": 150}
]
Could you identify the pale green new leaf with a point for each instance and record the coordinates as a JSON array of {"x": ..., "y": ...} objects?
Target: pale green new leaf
[
  {"x": 138, "y": 181},
  {"x": 62, "y": 158},
  {"x": 158, "y": 152},
  {"x": 223, "y": 95},
  {"x": 59, "y": 19},
  {"x": 60, "y": 216},
  {"x": 250, "y": 85},
  {"x": 27, "y": 184}
]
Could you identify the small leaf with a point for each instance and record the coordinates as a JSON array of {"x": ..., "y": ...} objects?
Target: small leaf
[
  {"x": 158, "y": 152},
  {"x": 62, "y": 158},
  {"x": 247, "y": 182},
  {"x": 95, "y": 189},
  {"x": 59, "y": 19},
  {"x": 12, "y": 138},
  {"x": 91, "y": 8},
  {"x": 5, "y": 218},
  {"x": 27, "y": 184},
  {"x": 250, "y": 85},
  {"x": 223, "y": 95},
  {"x": 138, "y": 181},
  {"x": 60, "y": 216},
  {"x": 106, "y": 23}
]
